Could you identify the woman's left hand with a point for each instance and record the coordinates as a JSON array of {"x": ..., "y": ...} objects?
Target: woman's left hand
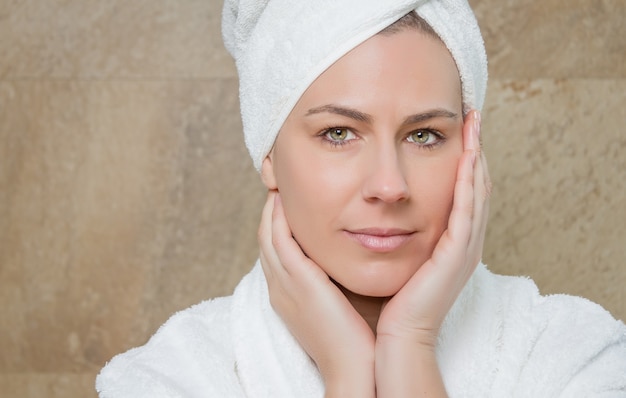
[
  {"x": 409, "y": 324},
  {"x": 315, "y": 310}
]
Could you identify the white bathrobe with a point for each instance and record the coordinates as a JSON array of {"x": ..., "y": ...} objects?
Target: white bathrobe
[{"x": 501, "y": 339}]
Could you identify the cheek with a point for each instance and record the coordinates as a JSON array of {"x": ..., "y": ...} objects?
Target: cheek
[
  {"x": 294, "y": 192},
  {"x": 319, "y": 194},
  {"x": 434, "y": 190},
  {"x": 313, "y": 193}
]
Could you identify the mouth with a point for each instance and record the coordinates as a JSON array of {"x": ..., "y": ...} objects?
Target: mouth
[{"x": 381, "y": 240}]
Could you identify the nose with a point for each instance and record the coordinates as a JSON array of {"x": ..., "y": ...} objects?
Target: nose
[{"x": 386, "y": 180}]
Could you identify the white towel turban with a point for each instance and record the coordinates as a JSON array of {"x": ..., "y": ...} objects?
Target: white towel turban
[{"x": 281, "y": 46}]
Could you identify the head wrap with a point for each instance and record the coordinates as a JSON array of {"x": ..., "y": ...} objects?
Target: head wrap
[{"x": 281, "y": 46}]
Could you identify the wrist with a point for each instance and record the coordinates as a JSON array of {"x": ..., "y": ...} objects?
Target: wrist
[
  {"x": 353, "y": 379},
  {"x": 407, "y": 368},
  {"x": 413, "y": 340}
]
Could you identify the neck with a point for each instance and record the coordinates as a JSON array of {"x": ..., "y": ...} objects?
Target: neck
[{"x": 368, "y": 307}]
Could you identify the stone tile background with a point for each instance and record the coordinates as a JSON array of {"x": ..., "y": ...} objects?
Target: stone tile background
[{"x": 126, "y": 192}]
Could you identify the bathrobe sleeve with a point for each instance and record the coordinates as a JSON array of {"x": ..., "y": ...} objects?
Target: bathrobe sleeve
[
  {"x": 189, "y": 356},
  {"x": 584, "y": 358},
  {"x": 560, "y": 346}
]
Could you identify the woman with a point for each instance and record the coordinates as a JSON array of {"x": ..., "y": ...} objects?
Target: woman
[{"x": 363, "y": 119}]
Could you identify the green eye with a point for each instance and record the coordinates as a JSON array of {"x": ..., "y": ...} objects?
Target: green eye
[
  {"x": 420, "y": 136},
  {"x": 426, "y": 138},
  {"x": 338, "y": 134}
]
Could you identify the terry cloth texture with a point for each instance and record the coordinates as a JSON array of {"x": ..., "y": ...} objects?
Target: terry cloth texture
[
  {"x": 500, "y": 339},
  {"x": 281, "y": 46}
]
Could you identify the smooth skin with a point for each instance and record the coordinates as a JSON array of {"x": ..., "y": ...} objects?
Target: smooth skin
[{"x": 370, "y": 318}]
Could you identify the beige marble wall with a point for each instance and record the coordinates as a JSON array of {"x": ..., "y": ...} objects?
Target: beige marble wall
[{"x": 126, "y": 192}]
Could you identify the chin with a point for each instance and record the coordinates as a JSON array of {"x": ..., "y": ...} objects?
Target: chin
[
  {"x": 374, "y": 285},
  {"x": 376, "y": 291}
]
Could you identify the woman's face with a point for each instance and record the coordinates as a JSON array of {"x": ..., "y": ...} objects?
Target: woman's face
[{"x": 366, "y": 162}]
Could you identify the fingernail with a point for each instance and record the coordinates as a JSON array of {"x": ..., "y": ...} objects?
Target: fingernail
[{"x": 477, "y": 127}]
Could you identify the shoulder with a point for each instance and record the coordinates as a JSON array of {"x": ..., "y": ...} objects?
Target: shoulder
[
  {"x": 523, "y": 304},
  {"x": 562, "y": 344},
  {"x": 191, "y": 352}
]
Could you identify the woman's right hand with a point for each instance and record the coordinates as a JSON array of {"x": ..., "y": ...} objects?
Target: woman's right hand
[{"x": 316, "y": 312}]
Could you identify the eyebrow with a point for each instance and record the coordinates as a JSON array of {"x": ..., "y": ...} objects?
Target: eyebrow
[
  {"x": 343, "y": 111},
  {"x": 366, "y": 118}
]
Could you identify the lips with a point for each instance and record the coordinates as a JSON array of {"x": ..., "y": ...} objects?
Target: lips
[{"x": 381, "y": 240}]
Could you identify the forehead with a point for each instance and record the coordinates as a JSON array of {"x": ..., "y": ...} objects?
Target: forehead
[{"x": 408, "y": 68}]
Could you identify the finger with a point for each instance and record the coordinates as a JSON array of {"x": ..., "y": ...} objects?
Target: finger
[
  {"x": 281, "y": 234},
  {"x": 266, "y": 218},
  {"x": 483, "y": 189},
  {"x": 481, "y": 207},
  {"x": 267, "y": 254},
  {"x": 487, "y": 200},
  {"x": 487, "y": 180},
  {"x": 471, "y": 140},
  {"x": 454, "y": 244},
  {"x": 459, "y": 224}
]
